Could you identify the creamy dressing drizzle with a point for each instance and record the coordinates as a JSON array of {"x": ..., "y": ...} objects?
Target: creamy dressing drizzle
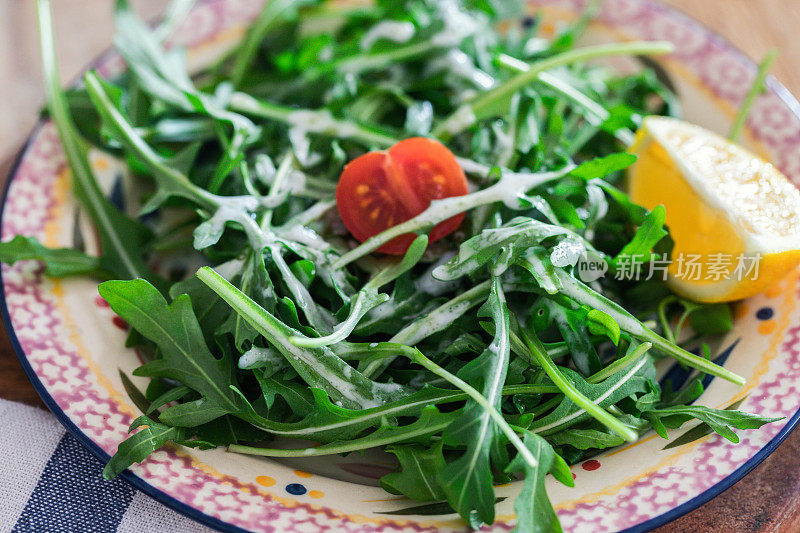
[
  {"x": 460, "y": 64},
  {"x": 390, "y": 30}
]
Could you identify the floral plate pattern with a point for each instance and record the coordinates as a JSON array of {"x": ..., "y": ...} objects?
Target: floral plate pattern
[{"x": 60, "y": 330}]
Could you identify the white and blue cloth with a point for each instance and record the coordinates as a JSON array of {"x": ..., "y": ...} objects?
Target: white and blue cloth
[{"x": 50, "y": 483}]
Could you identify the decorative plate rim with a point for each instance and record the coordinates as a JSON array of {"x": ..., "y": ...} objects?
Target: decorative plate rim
[{"x": 773, "y": 84}]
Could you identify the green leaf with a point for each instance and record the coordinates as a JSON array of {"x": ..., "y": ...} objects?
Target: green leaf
[
  {"x": 299, "y": 397},
  {"x": 369, "y": 297},
  {"x": 575, "y": 293},
  {"x": 136, "y": 396},
  {"x": 421, "y": 431},
  {"x": 467, "y": 481},
  {"x": 174, "y": 329},
  {"x": 697, "y": 432},
  {"x": 58, "y": 262},
  {"x": 170, "y": 395},
  {"x": 319, "y": 367},
  {"x": 163, "y": 73},
  {"x": 648, "y": 234},
  {"x": 328, "y": 422},
  {"x": 581, "y": 399},
  {"x": 430, "y": 509},
  {"x": 515, "y": 237},
  {"x": 274, "y": 14},
  {"x": 535, "y": 513},
  {"x": 722, "y": 421},
  {"x": 170, "y": 181},
  {"x": 585, "y": 439},
  {"x": 138, "y": 446},
  {"x": 419, "y": 468},
  {"x": 603, "y": 166},
  {"x": 192, "y": 414},
  {"x": 575, "y": 328},
  {"x": 601, "y": 323},
  {"x": 714, "y": 319},
  {"x": 121, "y": 238}
]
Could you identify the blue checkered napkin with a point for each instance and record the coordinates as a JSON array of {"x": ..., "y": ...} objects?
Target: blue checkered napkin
[{"x": 50, "y": 483}]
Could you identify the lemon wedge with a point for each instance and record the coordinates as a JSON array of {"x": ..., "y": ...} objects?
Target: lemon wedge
[{"x": 734, "y": 217}]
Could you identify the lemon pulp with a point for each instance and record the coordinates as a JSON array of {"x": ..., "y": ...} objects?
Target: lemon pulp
[{"x": 734, "y": 218}]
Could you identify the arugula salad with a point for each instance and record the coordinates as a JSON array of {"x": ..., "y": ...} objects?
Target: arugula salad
[{"x": 390, "y": 206}]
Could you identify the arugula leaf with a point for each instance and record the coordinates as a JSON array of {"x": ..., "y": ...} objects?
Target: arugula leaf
[
  {"x": 163, "y": 73},
  {"x": 535, "y": 513},
  {"x": 601, "y": 323},
  {"x": 514, "y": 238},
  {"x": 575, "y": 328},
  {"x": 136, "y": 396},
  {"x": 430, "y": 422},
  {"x": 121, "y": 238},
  {"x": 273, "y": 14},
  {"x": 603, "y": 166},
  {"x": 714, "y": 319},
  {"x": 174, "y": 329},
  {"x": 418, "y": 475},
  {"x": 648, "y": 234},
  {"x": 583, "y": 399},
  {"x": 319, "y": 367},
  {"x": 467, "y": 481},
  {"x": 585, "y": 439},
  {"x": 369, "y": 297},
  {"x": 138, "y": 446},
  {"x": 722, "y": 421},
  {"x": 192, "y": 414},
  {"x": 58, "y": 262},
  {"x": 328, "y": 422}
]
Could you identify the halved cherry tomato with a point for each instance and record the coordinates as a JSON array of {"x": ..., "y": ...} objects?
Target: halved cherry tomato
[{"x": 379, "y": 190}]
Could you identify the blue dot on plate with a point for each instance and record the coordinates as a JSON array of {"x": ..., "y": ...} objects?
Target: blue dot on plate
[
  {"x": 295, "y": 488},
  {"x": 765, "y": 313}
]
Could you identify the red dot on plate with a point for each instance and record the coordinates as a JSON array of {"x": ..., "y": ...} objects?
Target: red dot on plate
[
  {"x": 591, "y": 464},
  {"x": 120, "y": 323},
  {"x": 100, "y": 302},
  {"x": 574, "y": 475}
]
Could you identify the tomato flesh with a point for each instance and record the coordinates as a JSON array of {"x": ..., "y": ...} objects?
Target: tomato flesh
[{"x": 379, "y": 190}]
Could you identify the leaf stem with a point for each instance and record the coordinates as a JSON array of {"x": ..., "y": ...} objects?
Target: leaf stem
[
  {"x": 478, "y": 398},
  {"x": 497, "y": 99},
  {"x": 580, "y": 293},
  {"x": 336, "y": 128},
  {"x": 569, "y": 390},
  {"x": 597, "y": 114},
  {"x": 86, "y": 185},
  {"x": 507, "y": 189},
  {"x": 179, "y": 184},
  {"x": 756, "y": 89},
  {"x": 619, "y": 364}
]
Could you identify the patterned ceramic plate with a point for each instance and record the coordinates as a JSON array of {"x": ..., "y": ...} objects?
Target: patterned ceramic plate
[{"x": 72, "y": 346}]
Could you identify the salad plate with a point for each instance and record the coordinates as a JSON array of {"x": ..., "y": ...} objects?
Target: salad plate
[{"x": 71, "y": 343}]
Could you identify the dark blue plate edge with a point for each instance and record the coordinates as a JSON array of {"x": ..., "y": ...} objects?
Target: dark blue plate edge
[{"x": 782, "y": 92}]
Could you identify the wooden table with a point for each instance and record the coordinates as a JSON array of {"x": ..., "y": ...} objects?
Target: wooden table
[{"x": 768, "y": 499}]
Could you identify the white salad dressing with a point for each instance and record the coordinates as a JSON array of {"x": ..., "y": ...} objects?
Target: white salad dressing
[
  {"x": 390, "y": 30},
  {"x": 257, "y": 357},
  {"x": 462, "y": 119},
  {"x": 460, "y": 64},
  {"x": 458, "y": 25}
]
